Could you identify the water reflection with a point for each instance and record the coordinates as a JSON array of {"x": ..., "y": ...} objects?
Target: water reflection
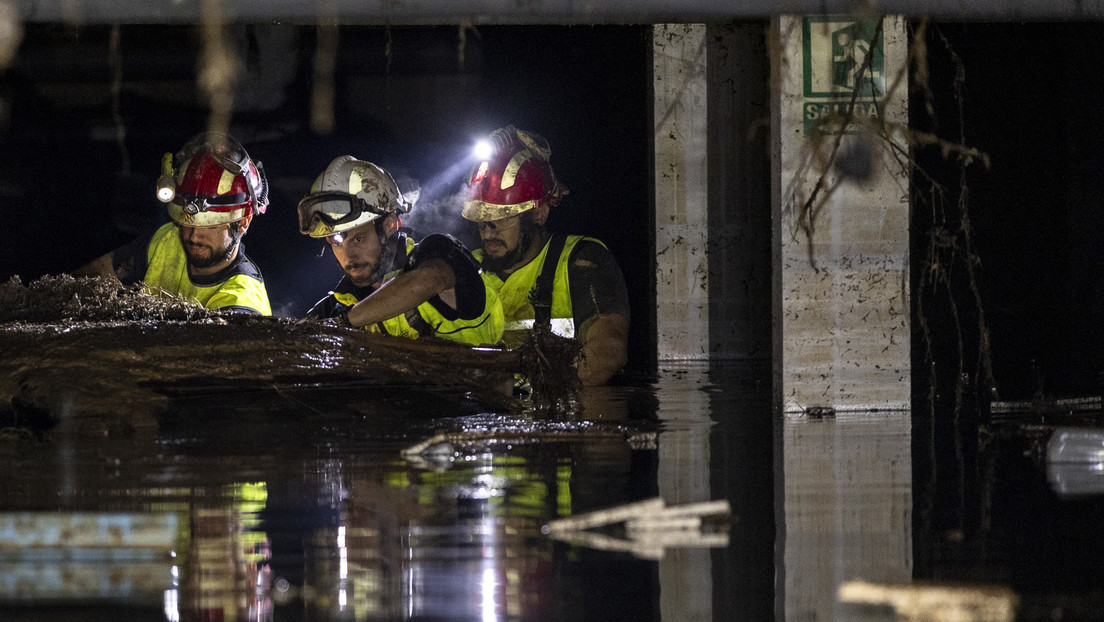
[
  {"x": 361, "y": 514},
  {"x": 337, "y": 524},
  {"x": 847, "y": 509}
]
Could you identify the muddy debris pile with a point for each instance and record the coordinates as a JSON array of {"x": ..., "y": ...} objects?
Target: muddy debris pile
[
  {"x": 91, "y": 299},
  {"x": 90, "y": 355}
]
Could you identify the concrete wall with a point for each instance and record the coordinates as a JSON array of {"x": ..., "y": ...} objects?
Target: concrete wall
[{"x": 841, "y": 234}]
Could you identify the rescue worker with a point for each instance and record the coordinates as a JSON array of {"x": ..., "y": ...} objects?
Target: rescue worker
[
  {"x": 213, "y": 190},
  {"x": 391, "y": 284},
  {"x": 569, "y": 282}
]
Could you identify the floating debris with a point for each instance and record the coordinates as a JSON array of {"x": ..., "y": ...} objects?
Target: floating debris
[
  {"x": 936, "y": 603},
  {"x": 449, "y": 440},
  {"x": 438, "y": 451},
  {"x": 647, "y": 528},
  {"x": 1042, "y": 405},
  {"x": 820, "y": 412}
]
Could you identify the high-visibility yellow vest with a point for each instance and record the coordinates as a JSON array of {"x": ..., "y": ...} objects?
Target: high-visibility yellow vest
[
  {"x": 514, "y": 293},
  {"x": 168, "y": 271},
  {"x": 485, "y": 330}
]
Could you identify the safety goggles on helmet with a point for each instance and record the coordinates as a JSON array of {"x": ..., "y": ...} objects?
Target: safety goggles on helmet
[
  {"x": 227, "y": 151},
  {"x": 321, "y": 212},
  {"x": 484, "y": 211}
]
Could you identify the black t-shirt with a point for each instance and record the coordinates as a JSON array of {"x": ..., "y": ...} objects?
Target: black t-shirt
[{"x": 596, "y": 283}]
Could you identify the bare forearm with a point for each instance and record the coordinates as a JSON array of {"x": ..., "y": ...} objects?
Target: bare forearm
[{"x": 403, "y": 293}]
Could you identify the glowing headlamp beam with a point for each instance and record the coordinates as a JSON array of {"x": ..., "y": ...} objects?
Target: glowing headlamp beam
[{"x": 482, "y": 150}]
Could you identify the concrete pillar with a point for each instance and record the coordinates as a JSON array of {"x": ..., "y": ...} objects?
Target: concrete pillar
[
  {"x": 712, "y": 191},
  {"x": 682, "y": 228},
  {"x": 841, "y": 236}
]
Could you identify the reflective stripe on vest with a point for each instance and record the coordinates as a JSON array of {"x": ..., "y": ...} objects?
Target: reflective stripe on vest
[
  {"x": 168, "y": 272},
  {"x": 514, "y": 293},
  {"x": 562, "y": 326}
]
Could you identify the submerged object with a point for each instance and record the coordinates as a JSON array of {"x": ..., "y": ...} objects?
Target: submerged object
[{"x": 1075, "y": 461}]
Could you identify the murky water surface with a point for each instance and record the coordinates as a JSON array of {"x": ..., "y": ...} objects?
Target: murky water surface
[{"x": 348, "y": 513}]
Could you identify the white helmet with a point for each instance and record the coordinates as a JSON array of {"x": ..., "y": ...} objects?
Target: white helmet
[{"x": 348, "y": 194}]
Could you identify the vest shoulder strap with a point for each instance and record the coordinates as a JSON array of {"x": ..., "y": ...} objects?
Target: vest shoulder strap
[{"x": 541, "y": 294}]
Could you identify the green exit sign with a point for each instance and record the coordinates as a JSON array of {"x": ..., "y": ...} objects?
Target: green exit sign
[{"x": 843, "y": 61}]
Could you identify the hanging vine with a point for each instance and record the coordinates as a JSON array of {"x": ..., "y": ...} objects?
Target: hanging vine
[{"x": 949, "y": 245}]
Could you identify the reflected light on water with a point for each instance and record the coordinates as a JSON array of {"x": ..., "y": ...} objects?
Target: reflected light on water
[
  {"x": 488, "y": 588},
  {"x": 172, "y": 602}
]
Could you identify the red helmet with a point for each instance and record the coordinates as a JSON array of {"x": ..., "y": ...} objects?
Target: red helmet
[
  {"x": 213, "y": 181},
  {"x": 514, "y": 179}
]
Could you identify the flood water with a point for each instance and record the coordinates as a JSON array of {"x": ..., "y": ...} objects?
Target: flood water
[{"x": 281, "y": 511}]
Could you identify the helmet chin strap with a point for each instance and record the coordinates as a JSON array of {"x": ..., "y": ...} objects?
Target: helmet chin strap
[
  {"x": 235, "y": 239},
  {"x": 389, "y": 247}
]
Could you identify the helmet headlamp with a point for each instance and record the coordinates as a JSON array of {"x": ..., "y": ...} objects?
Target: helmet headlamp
[
  {"x": 514, "y": 179},
  {"x": 483, "y": 149},
  {"x": 166, "y": 183}
]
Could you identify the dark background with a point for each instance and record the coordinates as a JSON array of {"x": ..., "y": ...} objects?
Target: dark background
[
  {"x": 79, "y": 156},
  {"x": 1028, "y": 96},
  {"x": 81, "y": 136}
]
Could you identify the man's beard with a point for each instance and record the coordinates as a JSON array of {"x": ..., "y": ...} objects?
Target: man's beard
[
  {"x": 383, "y": 265},
  {"x": 203, "y": 256},
  {"x": 372, "y": 272},
  {"x": 526, "y": 236}
]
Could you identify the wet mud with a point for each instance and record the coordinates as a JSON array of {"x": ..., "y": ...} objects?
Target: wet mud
[{"x": 90, "y": 357}]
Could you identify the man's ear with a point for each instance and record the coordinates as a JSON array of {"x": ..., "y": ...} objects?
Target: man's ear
[
  {"x": 539, "y": 213},
  {"x": 391, "y": 224},
  {"x": 243, "y": 224}
]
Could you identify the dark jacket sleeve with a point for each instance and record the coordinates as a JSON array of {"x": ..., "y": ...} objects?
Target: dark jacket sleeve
[
  {"x": 324, "y": 308},
  {"x": 471, "y": 295}
]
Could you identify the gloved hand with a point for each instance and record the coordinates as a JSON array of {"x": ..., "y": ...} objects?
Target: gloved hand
[{"x": 339, "y": 318}]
